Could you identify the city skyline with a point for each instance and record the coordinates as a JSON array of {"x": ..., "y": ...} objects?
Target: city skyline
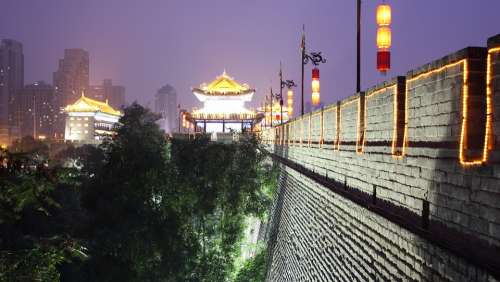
[{"x": 138, "y": 46}]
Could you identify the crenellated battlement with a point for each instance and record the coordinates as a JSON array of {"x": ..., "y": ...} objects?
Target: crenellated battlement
[{"x": 427, "y": 143}]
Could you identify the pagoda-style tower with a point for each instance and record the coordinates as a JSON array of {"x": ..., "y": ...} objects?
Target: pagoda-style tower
[
  {"x": 223, "y": 105},
  {"x": 89, "y": 121}
]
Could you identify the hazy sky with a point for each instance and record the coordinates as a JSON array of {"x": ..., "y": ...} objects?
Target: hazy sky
[{"x": 144, "y": 44}]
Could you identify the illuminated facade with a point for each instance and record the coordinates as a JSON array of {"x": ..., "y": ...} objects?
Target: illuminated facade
[
  {"x": 89, "y": 121},
  {"x": 223, "y": 106}
]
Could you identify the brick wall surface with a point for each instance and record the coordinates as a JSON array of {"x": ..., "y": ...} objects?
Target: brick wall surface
[
  {"x": 443, "y": 116},
  {"x": 320, "y": 236}
]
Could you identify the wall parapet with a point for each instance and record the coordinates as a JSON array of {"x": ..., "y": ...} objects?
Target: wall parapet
[{"x": 428, "y": 141}]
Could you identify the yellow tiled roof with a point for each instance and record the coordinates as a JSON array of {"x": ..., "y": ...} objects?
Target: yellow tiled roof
[
  {"x": 85, "y": 104},
  {"x": 225, "y": 84}
]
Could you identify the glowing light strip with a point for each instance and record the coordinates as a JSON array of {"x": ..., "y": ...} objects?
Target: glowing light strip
[
  {"x": 378, "y": 91},
  {"x": 287, "y": 132},
  {"x": 301, "y": 130},
  {"x": 322, "y": 129},
  {"x": 366, "y": 114},
  {"x": 338, "y": 117},
  {"x": 395, "y": 125},
  {"x": 295, "y": 133},
  {"x": 309, "y": 133},
  {"x": 408, "y": 81},
  {"x": 360, "y": 148},
  {"x": 465, "y": 104},
  {"x": 489, "y": 113},
  {"x": 465, "y": 112}
]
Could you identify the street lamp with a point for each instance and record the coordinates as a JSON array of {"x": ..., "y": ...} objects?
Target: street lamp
[
  {"x": 271, "y": 100},
  {"x": 358, "y": 48},
  {"x": 283, "y": 83},
  {"x": 313, "y": 57}
]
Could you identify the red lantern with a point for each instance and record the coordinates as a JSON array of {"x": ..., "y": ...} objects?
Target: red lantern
[
  {"x": 315, "y": 87},
  {"x": 383, "y": 60},
  {"x": 278, "y": 116},
  {"x": 383, "y": 38}
]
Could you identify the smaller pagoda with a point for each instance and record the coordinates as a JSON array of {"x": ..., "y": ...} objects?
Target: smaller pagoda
[
  {"x": 224, "y": 106},
  {"x": 89, "y": 121}
]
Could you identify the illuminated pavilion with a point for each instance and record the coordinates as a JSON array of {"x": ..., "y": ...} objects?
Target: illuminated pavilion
[
  {"x": 224, "y": 106},
  {"x": 89, "y": 121}
]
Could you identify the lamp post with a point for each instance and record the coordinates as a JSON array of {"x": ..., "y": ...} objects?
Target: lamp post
[
  {"x": 289, "y": 84},
  {"x": 272, "y": 104},
  {"x": 314, "y": 57},
  {"x": 358, "y": 48}
]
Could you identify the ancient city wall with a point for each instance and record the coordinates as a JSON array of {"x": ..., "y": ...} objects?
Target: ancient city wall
[{"x": 401, "y": 181}]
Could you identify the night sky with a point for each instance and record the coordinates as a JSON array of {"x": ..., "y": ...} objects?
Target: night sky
[{"x": 145, "y": 44}]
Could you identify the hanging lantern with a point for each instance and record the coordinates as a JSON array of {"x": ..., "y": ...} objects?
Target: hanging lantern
[
  {"x": 383, "y": 60},
  {"x": 384, "y": 15},
  {"x": 384, "y": 37},
  {"x": 315, "y": 87},
  {"x": 289, "y": 101}
]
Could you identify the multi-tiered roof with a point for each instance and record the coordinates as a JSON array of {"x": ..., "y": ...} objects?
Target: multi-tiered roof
[
  {"x": 85, "y": 104},
  {"x": 224, "y": 86}
]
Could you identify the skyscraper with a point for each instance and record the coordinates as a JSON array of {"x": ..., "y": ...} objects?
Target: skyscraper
[
  {"x": 33, "y": 112},
  {"x": 11, "y": 81},
  {"x": 115, "y": 94},
  {"x": 70, "y": 80},
  {"x": 166, "y": 106}
]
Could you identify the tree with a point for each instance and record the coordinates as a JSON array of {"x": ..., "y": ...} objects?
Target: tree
[
  {"x": 224, "y": 183},
  {"x": 136, "y": 208},
  {"x": 135, "y": 233},
  {"x": 35, "y": 238},
  {"x": 254, "y": 269}
]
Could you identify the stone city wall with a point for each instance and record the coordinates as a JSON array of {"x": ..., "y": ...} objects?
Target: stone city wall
[{"x": 425, "y": 146}]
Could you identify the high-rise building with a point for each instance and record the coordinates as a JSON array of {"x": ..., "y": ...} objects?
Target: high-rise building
[
  {"x": 70, "y": 80},
  {"x": 114, "y": 94},
  {"x": 166, "y": 106},
  {"x": 11, "y": 81},
  {"x": 33, "y": 111}
]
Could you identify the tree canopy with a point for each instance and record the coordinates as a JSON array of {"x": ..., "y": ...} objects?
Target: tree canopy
[{"x": 136, "y": 208}]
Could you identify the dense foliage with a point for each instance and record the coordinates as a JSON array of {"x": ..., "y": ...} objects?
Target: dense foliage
[
  {"x": 254, "y": 269},
  {"x": 137, "y": 208}
]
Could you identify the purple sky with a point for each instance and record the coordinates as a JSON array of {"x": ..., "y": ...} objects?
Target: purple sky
[{"x": 146, "y": 44}]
